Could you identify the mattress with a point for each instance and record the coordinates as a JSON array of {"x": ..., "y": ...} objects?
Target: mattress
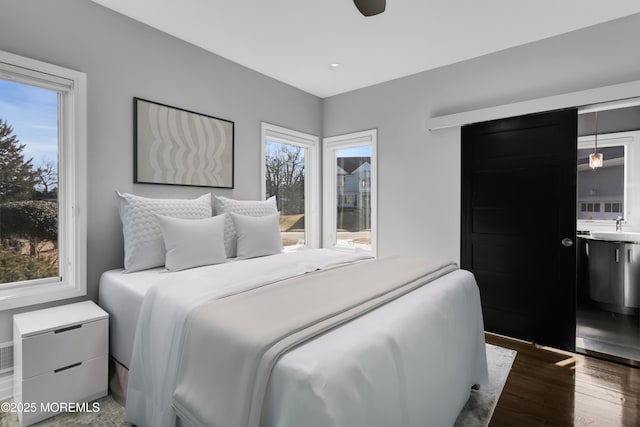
[{"x": 120, "y": 294}]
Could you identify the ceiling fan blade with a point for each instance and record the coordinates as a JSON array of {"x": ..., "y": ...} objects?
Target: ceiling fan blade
[{"x": 370, "y": 7}]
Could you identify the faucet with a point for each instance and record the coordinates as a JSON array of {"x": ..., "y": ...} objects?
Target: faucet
[{"x": 619, "y": 224}]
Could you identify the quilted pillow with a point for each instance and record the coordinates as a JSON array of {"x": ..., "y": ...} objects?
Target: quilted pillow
[
  {"x": 193, "y": 242},
  {"x": 241, "y": 207},
  {"x": 143, "y": 243},
  {"x": 257, "y": 236}
]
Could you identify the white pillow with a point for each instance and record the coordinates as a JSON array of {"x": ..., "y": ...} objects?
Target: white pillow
[
  {"x": 257, "y": 236},
  {"x": 242, "y": 207},
  {"x": 193, "y": 242},
  {"x": 143, "y": 243}
]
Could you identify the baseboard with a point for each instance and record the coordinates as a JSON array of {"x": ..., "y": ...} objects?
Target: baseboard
[{"x": 508, "y": 337}]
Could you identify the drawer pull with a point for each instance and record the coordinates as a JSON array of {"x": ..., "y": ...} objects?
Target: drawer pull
[
  {"x": 67, "y": 367},
  {"x": 70, "y": 328}
]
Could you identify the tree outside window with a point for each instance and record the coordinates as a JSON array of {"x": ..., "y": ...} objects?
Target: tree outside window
[
  {"x": 28, "y": 192},
  {"x": 284, "y": 168}
]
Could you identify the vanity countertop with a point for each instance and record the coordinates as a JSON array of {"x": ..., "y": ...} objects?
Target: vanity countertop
[{"x": 613, "y": 236}]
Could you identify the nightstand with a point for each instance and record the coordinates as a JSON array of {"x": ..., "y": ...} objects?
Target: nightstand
[{"x": 60, "y": 358}]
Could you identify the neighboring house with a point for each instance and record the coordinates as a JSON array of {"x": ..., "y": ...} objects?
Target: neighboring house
[
  {"x": 354, "y": 194},
  {"x": 354, "y": 183},
  {"x": 340, "y": 182}
]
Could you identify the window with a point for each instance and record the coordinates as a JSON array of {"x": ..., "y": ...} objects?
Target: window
[
  {"x": 42, "y": 182},
  {"x": 349, "y": 195},
  {"x": 592, "y": 207},
  {"x": 613, "y": 207},
  {"x": 603, "y": 193},
  {"x": 28, "y": 182},
  {"x": 291, "y": 173}
]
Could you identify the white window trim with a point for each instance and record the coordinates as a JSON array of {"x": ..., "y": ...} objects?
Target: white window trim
[
  {"x": 630, "y": 141},
  {"x": 72, "y": 199},
  {"x": 311, "y": 174},
  {"x": 329, "y": 148}
]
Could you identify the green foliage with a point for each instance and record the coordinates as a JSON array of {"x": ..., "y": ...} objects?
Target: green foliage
[
  {"x": 17, "y": 177},
  {"x": 30, "y": 218},
  {"x": 34, "y": 220},
  {"x": 15, "y": 267},
  {"x": 26, "y": 224}
]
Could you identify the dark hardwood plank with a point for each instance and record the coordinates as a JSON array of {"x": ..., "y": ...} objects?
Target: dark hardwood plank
[{"x": 549, "y": 387}]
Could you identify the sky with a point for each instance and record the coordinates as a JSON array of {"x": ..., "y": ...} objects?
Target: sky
[
  {"x": 362, "y": 151},
  {"x": 33, "y": 114}
]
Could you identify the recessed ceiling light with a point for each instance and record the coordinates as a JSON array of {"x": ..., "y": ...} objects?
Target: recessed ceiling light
[{"x": 334, "y": 65}]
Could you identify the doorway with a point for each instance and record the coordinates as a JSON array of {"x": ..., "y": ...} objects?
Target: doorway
[
  {"x": 518, "y": 224},
  {"x": 616, "y": 328},
  {"x": 608, "y": 272}
]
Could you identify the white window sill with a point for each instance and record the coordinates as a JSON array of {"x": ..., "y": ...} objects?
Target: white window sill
[
  {"x": 602, "y": 225},
  {"x": 23, "y": 296}
]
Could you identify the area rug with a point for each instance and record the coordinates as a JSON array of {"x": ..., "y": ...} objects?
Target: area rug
[
  {"x": 476, "y": 413},
  {"x": 481, "y": 404}
]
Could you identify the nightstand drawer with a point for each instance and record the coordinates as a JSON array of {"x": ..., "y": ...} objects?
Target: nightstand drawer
[
  {"x": 56, "y": 349},
  {"x": 82, "y": 381}
]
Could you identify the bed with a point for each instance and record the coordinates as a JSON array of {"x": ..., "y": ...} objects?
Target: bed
[{"x": 411, "y": 361}]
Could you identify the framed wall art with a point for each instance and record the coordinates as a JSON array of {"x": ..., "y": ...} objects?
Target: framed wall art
[{"x": 179, "y": 147}]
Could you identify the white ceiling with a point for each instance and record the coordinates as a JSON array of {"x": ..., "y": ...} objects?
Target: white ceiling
[{"x": 295, "y": 40}]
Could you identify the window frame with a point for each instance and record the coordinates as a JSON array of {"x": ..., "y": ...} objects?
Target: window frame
[
  {"x": 329, "y": 180},
  {"x": 311, "y": 144},
  {"x": 628, "y": 140},
  {"x": 71, "y": 86}
]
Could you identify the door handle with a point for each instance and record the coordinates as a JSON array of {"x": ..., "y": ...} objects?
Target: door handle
[{"x": 567, "y": 242}]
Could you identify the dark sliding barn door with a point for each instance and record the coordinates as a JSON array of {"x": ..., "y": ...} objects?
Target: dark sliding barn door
[{"x": 519, "y": 224}]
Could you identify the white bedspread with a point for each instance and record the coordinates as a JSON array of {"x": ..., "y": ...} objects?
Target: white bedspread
[
  {"x": 409, "y": 363},
  {"x": 159, "y": 333}
]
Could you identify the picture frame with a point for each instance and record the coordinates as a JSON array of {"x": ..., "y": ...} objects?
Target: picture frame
[{"x": 174, "y": 146}]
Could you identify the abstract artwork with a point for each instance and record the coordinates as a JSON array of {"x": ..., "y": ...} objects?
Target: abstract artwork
[{"x": 179, "y": 147}]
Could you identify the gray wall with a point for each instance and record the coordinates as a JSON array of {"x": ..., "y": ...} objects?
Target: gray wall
[
  {"x": 123, "y": 59},
  {"x": 419, "y": 171},
  {"x": 609, "y": 121}
]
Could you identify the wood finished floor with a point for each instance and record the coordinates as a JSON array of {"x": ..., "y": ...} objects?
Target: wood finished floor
[{"x": 548, "y": 387}]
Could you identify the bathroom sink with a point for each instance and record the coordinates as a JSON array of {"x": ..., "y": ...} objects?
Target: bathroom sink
[{"x": 617, "y": 236}]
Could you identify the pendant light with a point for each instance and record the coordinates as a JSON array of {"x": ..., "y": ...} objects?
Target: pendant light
[{"x": 596, "y": 159}]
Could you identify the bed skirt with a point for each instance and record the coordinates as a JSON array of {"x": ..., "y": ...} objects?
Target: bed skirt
[{"x": 118, "y": 379}]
